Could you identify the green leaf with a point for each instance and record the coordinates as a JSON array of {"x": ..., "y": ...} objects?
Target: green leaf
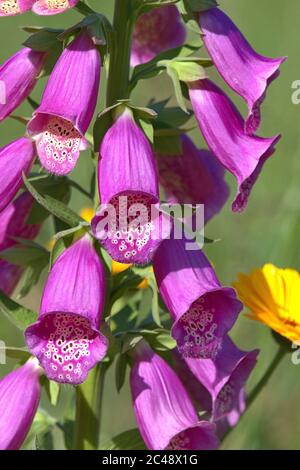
[
  {"x": 128, "y": 440},
  {"x": 155, "y": 300},
  {"x": 42, "y": 423},
  {"x": 25, "y": 255},
  {"x": 55, "y": 207},
  {"x": 188, "y": 71},
  {"x": 52, "y": 389},
  {"x": 21, "y": 316},
  {"x": 201, "y": 5},
  {"x": 43, "y": 40},
  {"x": 16, "y": 353},
  {"x": 147, "y": 128},
  {"x": 120, "y": 371},
  {"x": 173, "y": 74}
]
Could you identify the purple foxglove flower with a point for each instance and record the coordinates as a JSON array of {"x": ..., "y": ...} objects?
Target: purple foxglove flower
[
  {"x": 67, "y": 107},
  {"x": 14, "y": 7},
  {"x": 155, "y": 32},
  {"x": 180, "y": 176},
  {"x": 13, "y": 224},
  {"x": 66, "y": 338},
  {"x": 15, "y": 158},
  {"x": 203, "y": 311},
  {"x": 53, "y": 7},
  {"x": 20, "y": 393},
  {"x": 18, "y": 76},
  {"x": 222, "y": 127},
  {"x": 224, "y": 379},
  {"x": 164, "y": 412},
  {"x": 128, "y": 184},
  {"x": 245, "y": 71}
]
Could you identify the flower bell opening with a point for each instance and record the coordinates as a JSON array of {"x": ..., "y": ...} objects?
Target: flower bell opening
[
  {"x": 67, "y": 346},
  {"x": 59, "y": 145},
  {"x": 132, "y": 228},
  {"x": 9, "y": 7},
  {"x": 197, "y": 332}
]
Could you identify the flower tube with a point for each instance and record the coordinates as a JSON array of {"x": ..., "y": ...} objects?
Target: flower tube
[
  {"x": 66, "y": 338},
  {"x": 13, "y": 224},
  {"x": 156, "y": 31},
  {"x": 68, "y": 104},
  {"x": 20, "y": 393},
  {"x": 128, "y": 188},
  {"x": 223, "y": 129},
  {"x": 15, "y": 158},
  {"x": 18, "y": 76},
  {"x": 249, "y": 74},
  {"x": 164, "y": 412},
  {"x": 203, "y": 311},
  {"x": 194, "y": 177}
]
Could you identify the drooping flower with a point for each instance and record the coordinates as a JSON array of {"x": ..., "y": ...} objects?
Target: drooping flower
[
  {"x": 15, "y": 158},
  {"x": 194, "y": 177},
  {"x": 66, "y": 338},
  {"x": 163, "y": 410},
  {"x": 222, "y": 127},
  {"x": 20, "y": 393},
  {"x": 53, "y": 7},
  {"x": 68, "y": 104},
  {"x": 224, "y": 379},
  {"x": 13, "y": 224},
  {"x": 18, "y": 76},
  {"x": 246, "y": 72},
  {"x": 14, "y": 7},
  {"x": 128, "y": 188},
  {"x": 156, "y": 31},
  {"x": 272, "y": 296},
  {"x": 203, "y": 311}
]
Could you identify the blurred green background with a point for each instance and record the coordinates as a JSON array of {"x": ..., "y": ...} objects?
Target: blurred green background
[{"x": 268, "y": 231}]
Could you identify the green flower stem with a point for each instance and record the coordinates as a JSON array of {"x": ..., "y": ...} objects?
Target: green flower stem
[
  {"x": 264, "y": 380},
  {"x": 119, "y": 65},
  {"x": 89, "y": 395},
  {"x": 88, "y": 410}
]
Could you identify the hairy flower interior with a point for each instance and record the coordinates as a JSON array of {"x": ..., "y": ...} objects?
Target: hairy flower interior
[
  {"x": 57, "y": 4},
  {"x": 198, "y": 338},
  {"x": 179, "y": 442},
  {"x": 9, "y": 7},
  {"x": 59, "y": 145},
  {"x": 67, "y": 348}
]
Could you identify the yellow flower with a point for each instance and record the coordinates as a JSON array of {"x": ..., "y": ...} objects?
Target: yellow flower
[
  {"x": 117, "y": 267},
  {"x": 273, "y": 298},
  {"x": 87, "y": 213}
]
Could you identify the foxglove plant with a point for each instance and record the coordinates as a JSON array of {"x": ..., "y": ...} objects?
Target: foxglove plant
[
  {"x": 159, "y": 397},
  {"x": 60, "y": 122},
  {"x": 130, "y": 192},
  {"x": 66, "y": 338},
  {"x": 246, "y": 72},
  {"x": 20, "y": 393},
  {"x": 222, "y": 127},
  {"x": 19, "y": 76},
  {"x": 202, "y": 310},
  {"x": 218, "y": 386},
  {"x": 164, "y": 314},
  {"x": 13, "y": 224}
]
